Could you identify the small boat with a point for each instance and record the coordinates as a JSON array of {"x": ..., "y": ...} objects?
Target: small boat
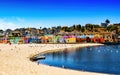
[{"x": 37, "y": 58}]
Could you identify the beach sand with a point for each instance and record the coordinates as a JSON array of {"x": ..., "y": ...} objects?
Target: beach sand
[{"x": 15, "y": 60}]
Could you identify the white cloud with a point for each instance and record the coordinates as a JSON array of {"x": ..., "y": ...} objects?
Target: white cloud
[
  {"x": 18, "y": 22},
  {"x": 20, "y": 19},
  {"x": 7, "y": 25}
]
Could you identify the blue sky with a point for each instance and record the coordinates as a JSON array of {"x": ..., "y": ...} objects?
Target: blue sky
[{"x": 47, "y": 13}]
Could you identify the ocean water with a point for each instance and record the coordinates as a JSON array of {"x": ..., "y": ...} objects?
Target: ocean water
[{"x": 100, "y": 59}]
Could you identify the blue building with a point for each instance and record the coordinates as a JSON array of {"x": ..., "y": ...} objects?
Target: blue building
[{"x": 104, "y": 25}]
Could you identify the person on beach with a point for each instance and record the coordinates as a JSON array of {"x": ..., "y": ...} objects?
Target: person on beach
[
  {"x": 38, "y": 63},
  {"x": 9, "y": 43}
]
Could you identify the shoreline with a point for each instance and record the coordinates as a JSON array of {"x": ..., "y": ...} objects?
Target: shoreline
[
  {"x": 78, "y": 46},
  {"x": 62, "y": 49},
  {"x": 15, "y": 59}
]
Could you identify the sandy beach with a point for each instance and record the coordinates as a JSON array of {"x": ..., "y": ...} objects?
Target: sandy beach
[{"x": 15, "y": 59}]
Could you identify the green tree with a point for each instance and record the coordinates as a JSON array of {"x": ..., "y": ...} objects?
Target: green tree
[
  {"x": 1, "y": 31},
  {"x": 40, "y": 28},
  {"x": 78, "y": 27},
  {"x": 89, "y": 27},
  {"x": 53, "y": 30},
  {"x": 96, "y": 26},
  {"x": 82, "y": 29},
  {"x": 74, "y": 27},
  {"x": 59, "y": 27},
  {"x": 71, "y": 29},
  {"x": 65, "y": 28},
  {"x": 109, "y": 28},
  {"x": 112, "y": 28},
  {"x": 107, "y": 21}
]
